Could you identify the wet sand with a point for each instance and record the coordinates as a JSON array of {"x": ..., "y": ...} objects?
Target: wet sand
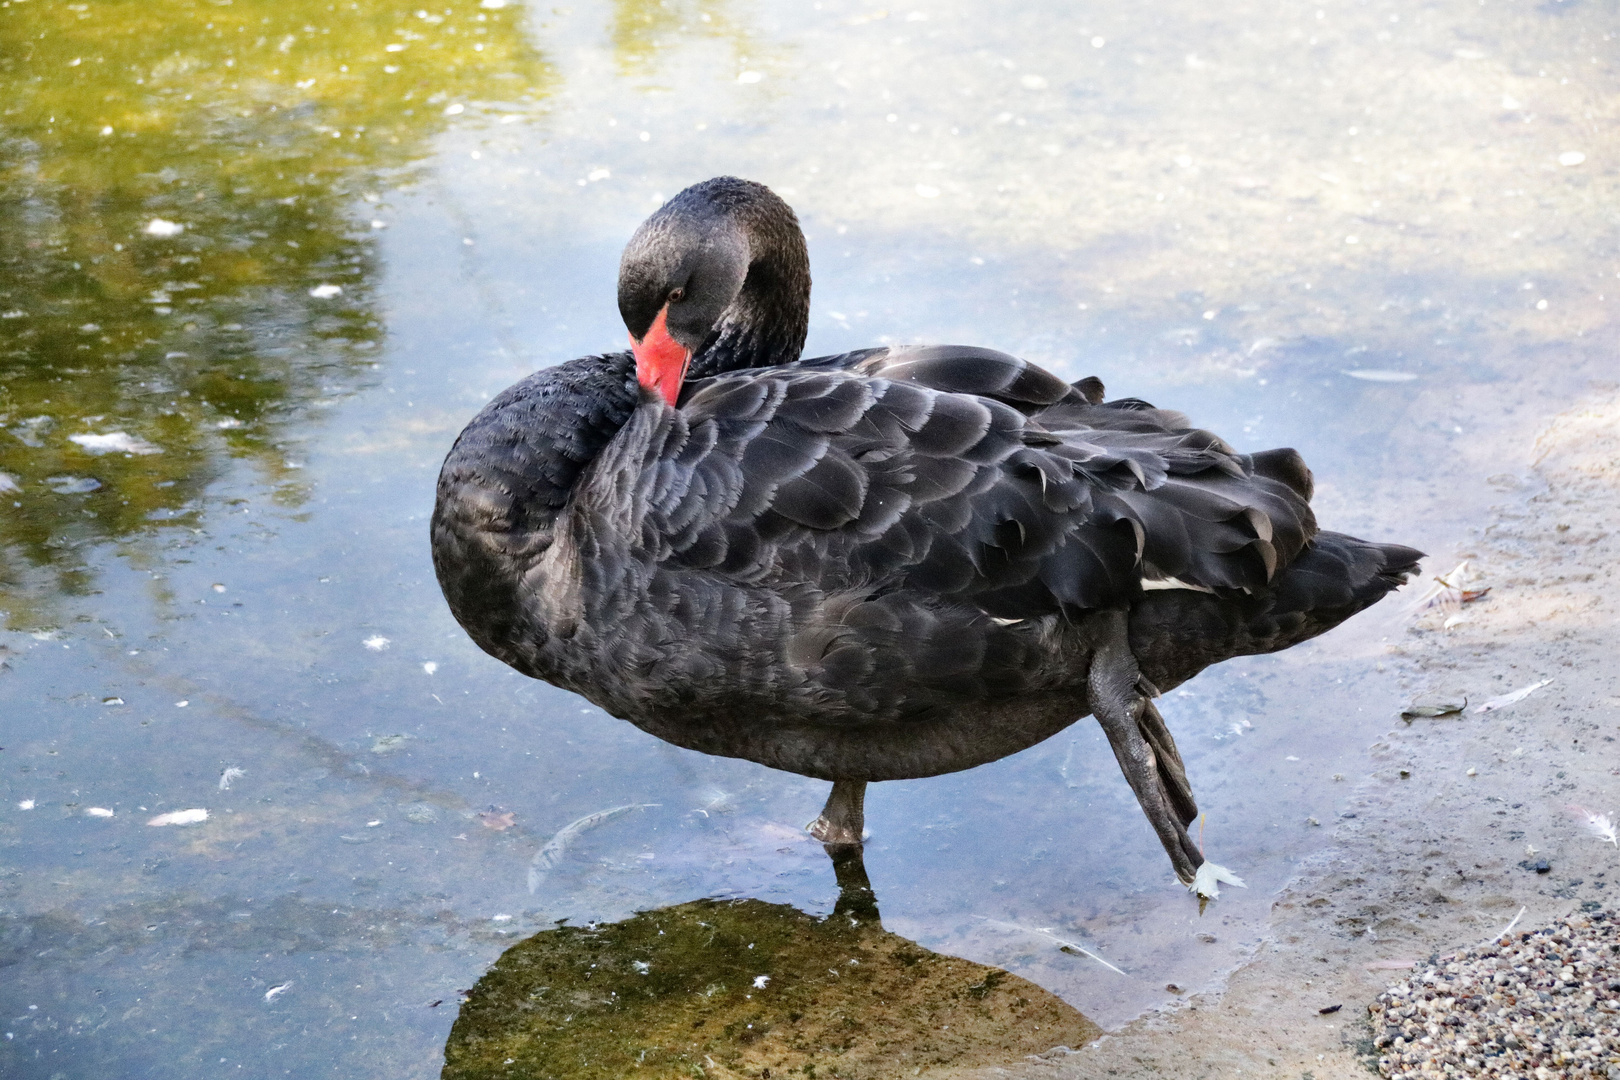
[{"x": 1437, "y": 850}]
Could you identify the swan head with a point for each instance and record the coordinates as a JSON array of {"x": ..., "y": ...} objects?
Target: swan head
[{"x": 718, "y": 278}]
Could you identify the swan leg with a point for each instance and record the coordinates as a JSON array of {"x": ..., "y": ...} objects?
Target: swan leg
[
  {"x": 1171, "y": 772},
  {"x": 843, "y": 819},
  {"x": 1142, "y": 744}
]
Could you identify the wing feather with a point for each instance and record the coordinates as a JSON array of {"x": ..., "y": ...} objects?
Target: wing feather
[{"x": 962, "y": 476}]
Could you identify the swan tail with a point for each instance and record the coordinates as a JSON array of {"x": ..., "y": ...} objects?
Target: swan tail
[{"x": 1176, "y": 633}]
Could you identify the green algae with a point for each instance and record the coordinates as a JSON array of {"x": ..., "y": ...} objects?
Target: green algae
[
  {"x": 732, "y": 988},
  {"x": 187, "y": 194}
]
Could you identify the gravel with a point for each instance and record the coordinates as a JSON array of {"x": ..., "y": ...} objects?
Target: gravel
[{"x": 1539, "y": 1005}]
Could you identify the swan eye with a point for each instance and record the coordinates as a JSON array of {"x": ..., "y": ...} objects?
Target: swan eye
[{"x": 677, "y": 295}]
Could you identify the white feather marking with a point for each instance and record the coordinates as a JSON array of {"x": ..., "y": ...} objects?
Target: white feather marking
[{"x": 1149, "y": 584}]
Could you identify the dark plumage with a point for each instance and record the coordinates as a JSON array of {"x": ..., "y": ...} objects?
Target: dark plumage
[{"x": 889, "y": 563}]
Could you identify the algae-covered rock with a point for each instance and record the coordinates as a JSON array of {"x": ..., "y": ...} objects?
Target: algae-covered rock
[{"x": 718, "y": 988}]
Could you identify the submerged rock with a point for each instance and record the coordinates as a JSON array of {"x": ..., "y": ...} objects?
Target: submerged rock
[{"x": 745, "y": 988}]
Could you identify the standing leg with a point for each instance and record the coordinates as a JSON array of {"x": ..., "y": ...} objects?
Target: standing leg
[
  {"x": 843, "y": 819},
  {"x": 1134, "y": 729}
]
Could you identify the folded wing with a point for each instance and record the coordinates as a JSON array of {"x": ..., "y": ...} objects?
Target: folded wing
[{"x": 964, "y": 474}]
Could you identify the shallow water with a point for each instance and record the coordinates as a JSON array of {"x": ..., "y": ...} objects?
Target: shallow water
[{"x": 236, "y": 576}]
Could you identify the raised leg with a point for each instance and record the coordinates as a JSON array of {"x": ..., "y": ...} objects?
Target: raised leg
[
  {"x": 1171, "y": 772},
  {"x": 843, "y": 819},
  {"x": 1142, "y": 744}
]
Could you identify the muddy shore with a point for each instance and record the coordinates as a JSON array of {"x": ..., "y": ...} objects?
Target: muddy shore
[{"x": 1440, "y": 843}]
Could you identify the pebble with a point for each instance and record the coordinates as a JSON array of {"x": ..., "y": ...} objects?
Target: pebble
[{"x": 1537, "y": 1005}]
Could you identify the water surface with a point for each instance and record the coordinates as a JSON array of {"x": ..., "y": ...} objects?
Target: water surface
[{"x": 269, "y": 258}]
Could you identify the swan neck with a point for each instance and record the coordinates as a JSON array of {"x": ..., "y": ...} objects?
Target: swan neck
[{"x": 766, "y": 323}]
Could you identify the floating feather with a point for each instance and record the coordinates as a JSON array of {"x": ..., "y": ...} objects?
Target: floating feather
[{"x": 551, "y": 854}]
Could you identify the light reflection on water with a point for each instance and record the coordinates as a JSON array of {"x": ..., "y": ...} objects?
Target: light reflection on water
[{"x": 300, "y": 436}]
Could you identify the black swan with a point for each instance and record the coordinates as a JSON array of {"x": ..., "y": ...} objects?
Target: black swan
[{"x": 890, "y": 563}]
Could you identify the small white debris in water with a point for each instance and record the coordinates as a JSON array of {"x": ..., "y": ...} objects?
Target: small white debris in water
[
  {"x": 1571, "y": 157},
  {"x": 158, "y": 227},
  {"x": 429, "y": 666},
  {"x": 492, "y": 5},
  {"x": 1291, "y": 757},
  {"x": 181, "y": 704},
  {"x": 180, "y": 817},
  {"x": 326, "y": 291},
  {"x": 376, "y": 643},
  {"x": 379, "y": 224},
  {"x": 374, "y": 823},
  {"x": 927, "y": 191},
  {"x": 270, "y": 994},
  {"x": 217, "y": 587},
  {"x": 760, "y": 981},
  {"x": 599, "y": 174},
  {"x": 500, "y": 918},
  {"x": 1097, "y": 42},
  {"x": 8, "y": 483},
  {"x": 1379, "y": 375},
  {"x": 231, "y": 773},
  {"x": 112, "y": 701},
  {"x": 455, "y": 110},
  {"x": 749, "y": 77},
  {"x": 1472, "y": 772},
  {"x": 1032, "y": 82},
  {"x": 97, "y": 811},
  {"x": 1352, "y": 239},
  {"x": 73, "y": 485},
  {"x": 1541, "y": 305},
  {"x": 551, "y": 854},
  {"x": 26, "y": 804},
  {"x": 114, "y": 442},
  {"x": 641, "y": 966}
]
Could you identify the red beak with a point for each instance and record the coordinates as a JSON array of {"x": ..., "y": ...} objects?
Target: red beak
[{"x": 660, "y": 359}]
